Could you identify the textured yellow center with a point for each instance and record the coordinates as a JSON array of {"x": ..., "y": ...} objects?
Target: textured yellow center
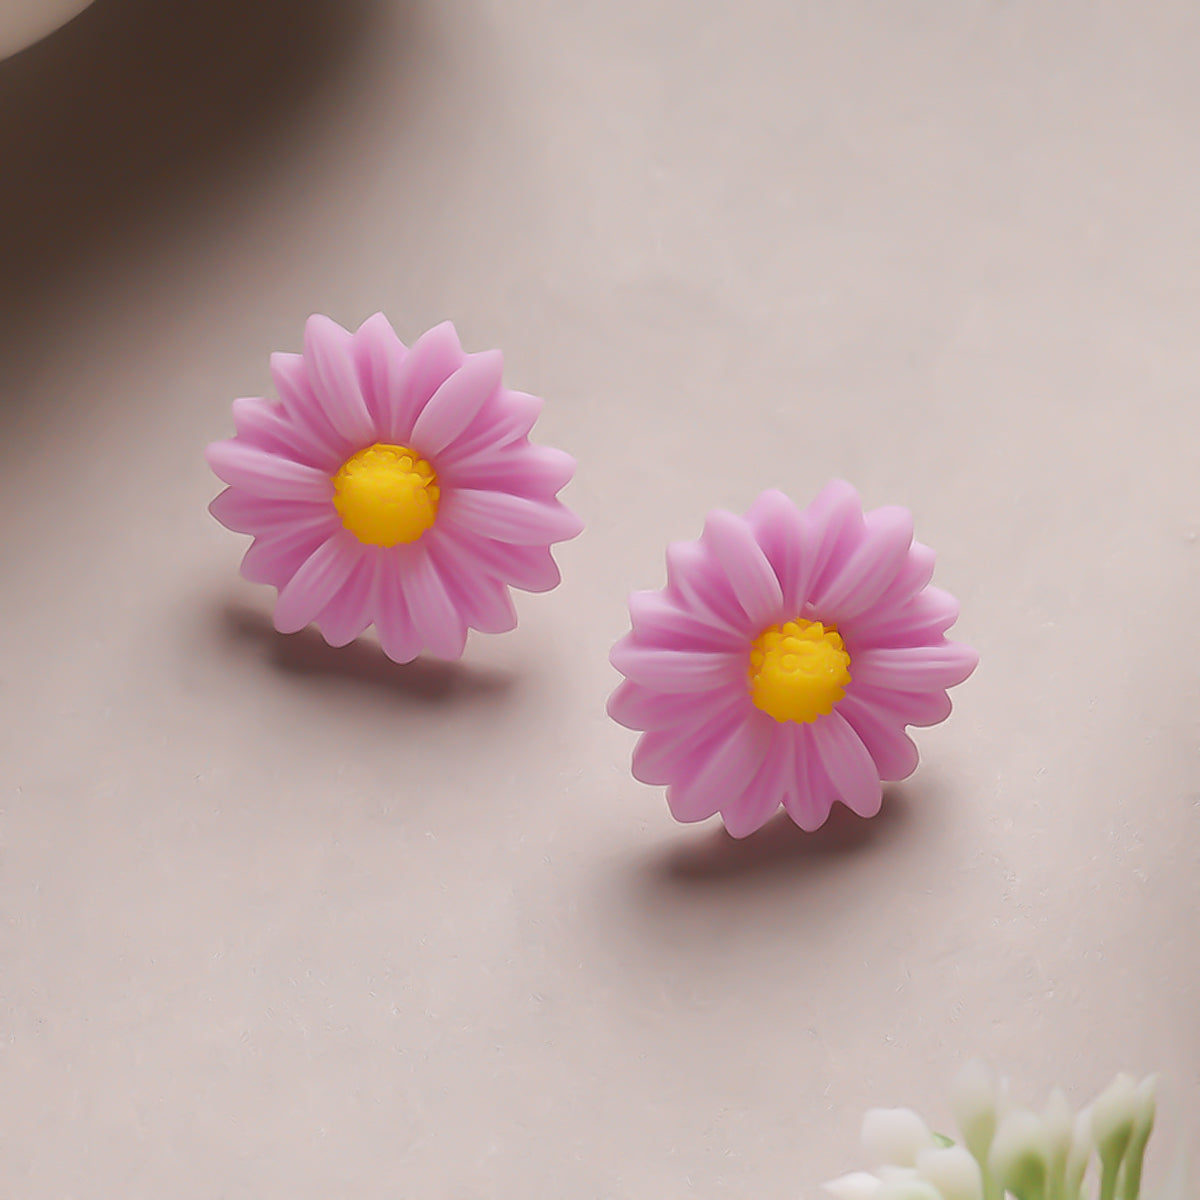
[
  {"x": 798, "y": 671},
  {"x": 386, "y": 495}
]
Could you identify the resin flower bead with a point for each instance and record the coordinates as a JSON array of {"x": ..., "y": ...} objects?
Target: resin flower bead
[
  {"x": 784, "y": 659},
  {"x": 395, "y": 487}
]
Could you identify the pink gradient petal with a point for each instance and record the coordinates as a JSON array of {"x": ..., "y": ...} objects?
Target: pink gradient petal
[
  {"x": 512, "y": 519},
  {"x": 530, "y": 568},
  {"x": 676, "y": 670},
  {"x": 891, "y": 749},
  {"x": 638, "y": 707},
  {"x": 289, "y": 372},
  {"x": 329, "y": 355},
  {"x": 720, "y": 770},
  {"x": 267, "y": 475},
  {"x": 660, "y": 622},
  {"x": 243, "y": 512},
  {"x": 275, "y": 560},
  {"x": 777, "y": 527},
  {"x": 398, "y": 637},
  {"x": 864, "y": 575},
  {"x": 434, "y": 357},
  {"x": 455, "y": 404},
  {"x": 749, "y": 812},
  {"x": 693, "y": 581},
  {"x": 809, "y": 794},
  {"x": 914, "y": 668},
  {"x": 664, "y": 756},
  {"x": 265, "y": 425},
  {"x": 848, "y": 765},
  {"x": 349, "y": 612},
  {"x": 483, "y": 602},
  {"x": 433, "y": 613},
  {"x": 751, "y": 576},
  {"x": 912, "y": 578},
  {"x": 378, "y": 358},
  {"x": 833, "y": 528},
  {"x": 536, "y": 472},
  {"x": 920, "y": 621},
  {"x": 908, "y": 708},
  {"x": 505, "y": 419},
  {"x": 316, "y": 582}
]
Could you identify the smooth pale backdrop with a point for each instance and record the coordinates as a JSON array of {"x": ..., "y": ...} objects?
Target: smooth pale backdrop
[
  {"x": 24, "y": 21},
  {"x": 278, "y": 921}
]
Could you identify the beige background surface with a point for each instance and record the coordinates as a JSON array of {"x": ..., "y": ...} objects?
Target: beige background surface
[
  {"x": 24, "y": 21},
  {"x": 278, "y": 921}
]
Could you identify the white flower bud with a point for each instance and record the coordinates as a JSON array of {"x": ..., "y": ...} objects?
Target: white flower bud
[
  {"x": 1143, "y": 1125},
  {"x": 1057, "y": 1121},
  {"x": 895, "y": 1135},
  {"x": 1079, "y": 1155},
  {"x": 953, "y": 1171},
  {"x": 973, "y": 1100},
  {"x": 1113, "y": 1115},
  {"x": 1145, "y": 1104},
  {"x": 858, "y": 1185},
  {"x": 908, "y": 1186},
  {"x": 1019, "y": 1154}
]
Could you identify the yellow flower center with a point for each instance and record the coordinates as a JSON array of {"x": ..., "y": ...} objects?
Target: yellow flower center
[
  {"x": 386, "y": 495},
  {"x": 798, "y": 671}
]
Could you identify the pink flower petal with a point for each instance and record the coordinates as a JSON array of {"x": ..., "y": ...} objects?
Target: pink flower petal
[
  {"x": 721, "y": 770},
  {"x": 265, "y": 425},
  {"x": 890, "y": 748},
  {"x": 780, "y": 532},
  {"x": 921, "y": 621},
  {"x": 398, "y": 637},
  {"x": 530, "y": 568},
  {"x": 677, "y": 670},
  {"x": 537, "y": 472},
  {"x": 636, "y": 706},
  {"x": 244, "y": 512},
  {"x": 316, "y": 583},
  {"x": 434, "y": 357},
  {"x": 302, "y": 408},
  {"x": 848, "y": 765},
  {"x": 455, "y": 404},
  {"x": 378, "y": 358},
  {"x": 275, "y": 560},
  {"x": 750, "y": 811},
  {"x": 507, "y": 518},
  {"x": 751, "y": 576},
  {"x": 908, "y": 708},
  {"x": 657, "y": 621},
  {"x": 913, "y": 576},
  {"x": 833, "y": 528},
  {"x": 482, "y": 601},
  {"x": 914, "y": 668},
  {"x": 267, "y": 475},
  {"x": 695, "y": 581},
  {"x": 348, "y": 613},
  {"x": 433, "y": 613},
  {"x": 809, "y": 793},
  {"x": 505, "y": 420},
  {"x": 866, "y": 572},
  {"x": 329, "y": 356},
  {"x": 664, "y": 756}
]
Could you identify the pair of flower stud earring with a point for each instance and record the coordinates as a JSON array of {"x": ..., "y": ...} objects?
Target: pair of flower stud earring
[{"x": 780, "y": 665}]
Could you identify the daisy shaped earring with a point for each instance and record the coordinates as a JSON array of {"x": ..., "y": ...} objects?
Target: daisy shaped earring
[
  {"x": 783, "y": 660},
  {"x": 393, "y": 487}
]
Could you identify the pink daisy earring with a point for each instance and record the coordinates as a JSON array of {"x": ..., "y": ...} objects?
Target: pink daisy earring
[
  {"x": 784, "y": 659},
  {"x": 393, "y": 487}
]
